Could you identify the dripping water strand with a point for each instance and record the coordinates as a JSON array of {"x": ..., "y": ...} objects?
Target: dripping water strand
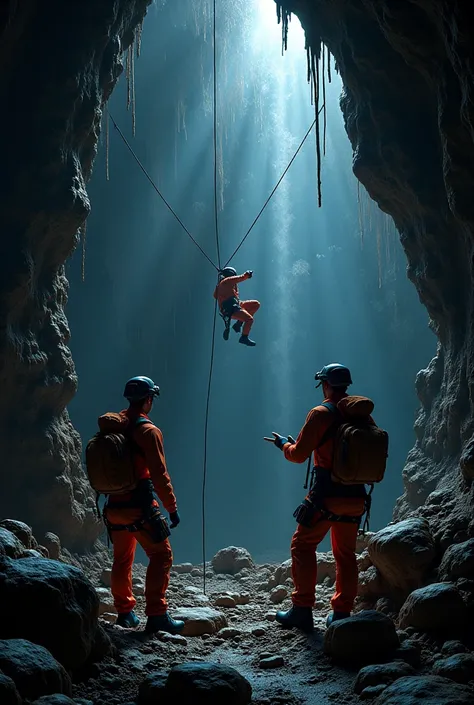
[
  {"x": 107, "y": 144},
  {"x": 323, "y": 76},
  {"x": 132, "y": 81},
  {"x": 83, "y": 243}
]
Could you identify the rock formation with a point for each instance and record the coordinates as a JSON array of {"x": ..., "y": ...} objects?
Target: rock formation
[
  {"x": 59, "y": 62},
  {"x": 408, "y": 109}
]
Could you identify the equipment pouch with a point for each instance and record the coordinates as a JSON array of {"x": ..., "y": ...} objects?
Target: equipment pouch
[
  {"x": 157, "y": 527},
  {"x": 305, "y": 513}
]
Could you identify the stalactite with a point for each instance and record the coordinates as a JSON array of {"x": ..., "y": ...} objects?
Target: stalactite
[
  {"x": 323, "y": 75},
  {"x": 83, "y": 244},
  {"x": 359, "y": 211},
  {"x": 315, "y": 77},
  {"x": 107, "y": 143},
  {"x": 128, "y": 73},
  {"x": 132, "y": 76},
  {"x": 329, "y": 65},
  {"x": 138, "y": 39}
]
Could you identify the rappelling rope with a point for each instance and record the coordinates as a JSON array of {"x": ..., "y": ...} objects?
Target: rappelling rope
[
  {"x": 213, "y": 340},
  {"x": 129, "y": 147}
]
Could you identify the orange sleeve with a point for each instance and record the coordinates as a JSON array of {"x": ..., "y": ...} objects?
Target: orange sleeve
[
  {"x": 308, "y": 438},
  {"x": 237, "y": 279},
  {"x": 150, "y": 440}
]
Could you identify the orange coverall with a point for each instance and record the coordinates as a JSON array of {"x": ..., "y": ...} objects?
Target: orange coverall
[
  {"x": 226, "y": 289},
  {"x": 343, "y": 535},
  {"x": 151, "y": 465}
]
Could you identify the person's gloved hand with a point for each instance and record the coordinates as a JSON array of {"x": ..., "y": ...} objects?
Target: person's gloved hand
[
  {"x": 249, "y": 273},
  {"x": 174, "y": 519},
  {"x": 279, "y": 440}
]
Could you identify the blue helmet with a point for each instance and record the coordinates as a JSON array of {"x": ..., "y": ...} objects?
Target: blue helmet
[
  {"x": 139, "y": 388},
  {"x": 334, "y": 374},
  {"x": 228, "y": 272}
]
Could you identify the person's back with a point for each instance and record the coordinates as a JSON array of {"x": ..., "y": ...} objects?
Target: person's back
[{"x": 134, "y": 516}]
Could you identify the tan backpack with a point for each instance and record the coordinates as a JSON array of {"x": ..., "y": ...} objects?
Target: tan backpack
[
  {"x": 110, "y": 461},
  {"x": 360, "y": 446}
]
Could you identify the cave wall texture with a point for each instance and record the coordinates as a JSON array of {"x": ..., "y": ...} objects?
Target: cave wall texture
[
  {"x": 59, "y": 61},
  {"x": 407, "y": 69},
  {"x": 408, "y": 106}
]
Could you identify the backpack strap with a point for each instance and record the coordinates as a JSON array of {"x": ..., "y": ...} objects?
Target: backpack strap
[{"x": 331, "y": 430}]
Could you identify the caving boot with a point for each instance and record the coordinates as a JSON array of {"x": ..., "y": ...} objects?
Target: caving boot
[
  {"x": 245, "y": 340},
  {"x": 237, "y": 326},
  {"x": 164, "y": 623},
  {"x": 336, "y": 616},
  {"x": 226, "y": 332},
  {"x": 127, "y": 620},
  {"x": 299, "y": 617}
]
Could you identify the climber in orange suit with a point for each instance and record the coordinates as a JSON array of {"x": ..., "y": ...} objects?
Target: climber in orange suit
[
  {"x": 338, "y": 500},
  {"x": 230, "y": 306},
  {"x": 139, "y": 510}
]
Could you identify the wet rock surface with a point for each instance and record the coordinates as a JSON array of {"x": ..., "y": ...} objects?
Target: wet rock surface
[
  {"x": 403, "y": 553},
  {"x": 382, "y": 674},
  {"x": 459, "y": 668},
  {"x": 32, "y": 668},
  {"x": 431, "y": 690},
  {"x": 436, "y": 607},
  {"x": 367, "y": 637},
  {"x": 49, "y": 603}
]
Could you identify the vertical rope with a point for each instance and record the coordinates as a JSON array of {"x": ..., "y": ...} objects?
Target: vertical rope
[
  {"x": 315, "y": 75},
  {"x": 216, "y": 168},
  {"x": 323, "y": 75},
  {"x": 107, "y": 144}
]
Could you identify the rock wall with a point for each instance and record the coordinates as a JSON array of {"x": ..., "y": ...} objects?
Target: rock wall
[
  {"x": 59, "y": 61},
  {"x": 408, "y": 105}
]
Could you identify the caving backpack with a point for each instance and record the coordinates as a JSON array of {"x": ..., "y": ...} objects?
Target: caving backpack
[
  {"x": 110, "y": 460},
  {"x": 360, "y": 446}
]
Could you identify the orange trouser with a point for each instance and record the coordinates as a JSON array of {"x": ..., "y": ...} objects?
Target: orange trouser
[
  {"x": 246, "y": 314},
  {"x": 158, "y": 571},
  {"x": 343, "y": 540}
]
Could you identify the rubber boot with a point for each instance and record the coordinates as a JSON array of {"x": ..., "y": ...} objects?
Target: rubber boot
[
  {"x": 237, "y": 326},
  {"x": 128, "y": 620},
  {"x": 336, "y": 616},
  {"x": 164, "y": 623},
  {"x": 299, "y": 617},
  {"x": 245, "y": 340}
]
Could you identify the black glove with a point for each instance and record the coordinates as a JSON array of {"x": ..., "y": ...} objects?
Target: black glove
[
  {"x": 249, "y": 273},
  {"x": 174, "y": 519},
  {"x": 279, "y": 440}
]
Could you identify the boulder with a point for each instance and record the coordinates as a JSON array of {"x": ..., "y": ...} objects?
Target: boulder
[
  {"x": 32, "y": 668},
  {"x": 366, "y": 637},
  {"x": 403, "y": 553},
  {"x": 452, "y": 647},
  {"x": 207, "y": 684},
  {"x": 326, "y": 567},
  {"x": 278, "y": 594},
  {"x": 459, "y": 668},
  {"x": 152, "y": 689},
  {"x": 182, "y": 568},
  {"x": 31, "y": 553},
  {"x": 22, "y": 531},
  {"x": 372, "y": 692},
  {"x": 55, "y": 700},
  {"x": 106, "y": 601},
  {"x": 9, "y": 695},
  {"x": 106, "y": 577},
  {"x": 437, "y": 607},
  {"x": 410, "y": 652},
  {"x": 272, "y": 662},
  {"x": 381, "y": 674},
  {"x": 197, "y": 595},
  {"x": 200, "y": 620},
  {"x": 52, "y": 544},
  {"x": 10, "y": 545},
  {"x": 432, "y": 690},
  {"x": 458, "y": 562},
  {"x": 232, "y": 560},
  {"x": 225, "y": 600},
  {"x": 371, "y": 583},
  {"x": 52, "y": 604}
]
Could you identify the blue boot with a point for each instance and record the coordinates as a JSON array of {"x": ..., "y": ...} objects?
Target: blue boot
[
  {"x": 336, "y": 616},
  {"x": 299, "y": 617},
  {"x": 245, "y": 340},
  {"x": 127, "y": 620},
  {"x": 164, "y": 623}
]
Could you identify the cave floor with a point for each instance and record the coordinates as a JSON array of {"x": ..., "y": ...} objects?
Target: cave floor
[{"x": 307, "y": 675}]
